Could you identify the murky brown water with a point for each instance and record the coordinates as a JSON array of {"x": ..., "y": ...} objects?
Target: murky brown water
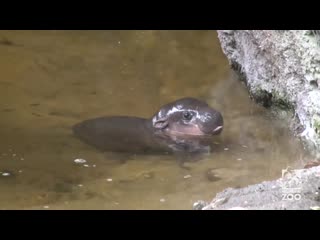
[{"x": 50, "y": 80}]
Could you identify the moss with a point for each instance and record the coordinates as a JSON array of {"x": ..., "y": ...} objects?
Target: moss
[
  {"x": 281, "y": 102},
  {"x": 262, "y": 97},
  {"x": 238, "y": 69},
  {"x": 268, "y": 99},
  {"x": 315, "y": 34},
  {"x": 316, "y": 124}
]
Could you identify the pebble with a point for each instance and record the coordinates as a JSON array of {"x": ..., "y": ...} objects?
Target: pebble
[
  {"x": 109, "y": 179},
  {"x": 244, "y": 146},
  {"x": 162, "y": 200},
  {"x": 79, "y": 160},
  {"x": 187, "y": 176},
  {"x": 199, "y": 205},
  {"x": 13, "y": 155},
  {"x": 86, "y": 165},
  {"x": 239, "y": 159},
  {"x": 148, "y": 175},
  {"x": 226, "y": 149},
  {"x": 5, "y": 174},
  {"x": 21, "y": 159},
  {"x": 46, "y": 207},
  {"x": 93, "y": 165},
  {"x": 80, "y": 185},
  {"x": 212, "y": 176}
]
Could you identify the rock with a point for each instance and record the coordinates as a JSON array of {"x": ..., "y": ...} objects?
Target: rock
[
  {"x": 199, "y": 205},
  {"x": 281, "y": 69},
  {"x": 312, "y": 164},
  {"x": 237, "y": 208},
  {"x": 212, "y": 176},
  {"x": 6, "y": 173},
  {"x": 80, "y": 161},
  {"x": 297, "y": 190}
]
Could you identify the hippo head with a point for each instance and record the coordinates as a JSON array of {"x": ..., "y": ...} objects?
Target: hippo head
[{"x": 188, "y": 118}]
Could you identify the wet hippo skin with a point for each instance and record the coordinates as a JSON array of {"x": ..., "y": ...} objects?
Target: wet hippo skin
[{"x": 186, "y": 125}]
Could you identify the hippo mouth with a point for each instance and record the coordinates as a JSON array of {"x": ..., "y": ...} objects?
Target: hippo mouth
[
  {"x": 173, "y": 132},
  {"x": 194, "y": 132}
]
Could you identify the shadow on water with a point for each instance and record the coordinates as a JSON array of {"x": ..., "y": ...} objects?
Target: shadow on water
[{"x": 51, "y": 80}]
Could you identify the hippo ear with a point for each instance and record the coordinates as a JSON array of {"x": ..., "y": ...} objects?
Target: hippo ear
[{"x": 160, "y": 123}]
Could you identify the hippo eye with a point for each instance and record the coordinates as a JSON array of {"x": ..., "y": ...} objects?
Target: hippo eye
[{"x": 187, "y": 116}]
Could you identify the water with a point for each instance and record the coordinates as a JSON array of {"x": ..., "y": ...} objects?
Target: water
[{"x": 50, "y": 80}]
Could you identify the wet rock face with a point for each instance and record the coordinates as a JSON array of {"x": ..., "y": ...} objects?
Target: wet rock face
[
  {"x": 296, "y": 190},
  {"x": 282, "y": 69}
]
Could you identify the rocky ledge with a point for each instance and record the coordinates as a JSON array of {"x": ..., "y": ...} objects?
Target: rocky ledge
[{"x": 295, "y": 190}]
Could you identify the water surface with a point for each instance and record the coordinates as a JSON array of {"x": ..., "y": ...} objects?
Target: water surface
[{"x": 50, "y": 80}]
